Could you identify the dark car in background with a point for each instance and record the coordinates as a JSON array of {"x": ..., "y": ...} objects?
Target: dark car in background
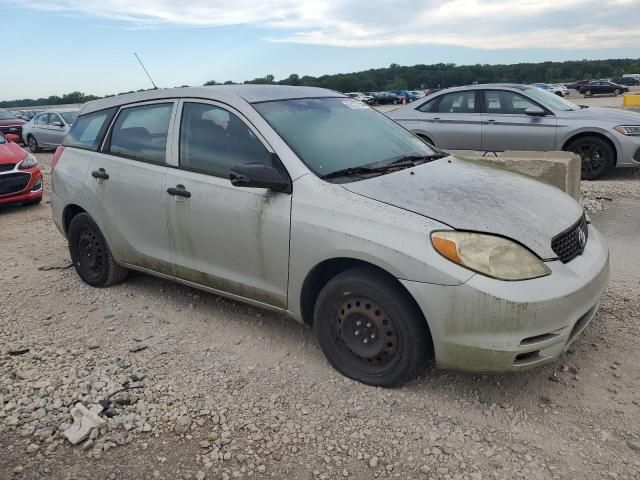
[
  {"x": 386, "y": 98},
  {"x": 627, "y": 81},
  {"x": 409, "y": 95},
  {"x": 578, "y": 84},
  {"x": 601, "y": 87},
  {"x": 10, "y": 124}
]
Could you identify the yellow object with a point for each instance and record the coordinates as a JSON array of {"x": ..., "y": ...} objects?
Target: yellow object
[{"x": 631, "y": 100}]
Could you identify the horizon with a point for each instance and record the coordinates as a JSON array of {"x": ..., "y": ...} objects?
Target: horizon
[{"x": 89, "y": 45}]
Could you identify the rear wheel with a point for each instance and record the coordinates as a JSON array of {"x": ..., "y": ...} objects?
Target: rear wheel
[
  {"x": 33, "y": 144},
  {"x": 370, "y": 330},
  {"x": 596, "y": 155},
  {"x": 90, "y": 253}
]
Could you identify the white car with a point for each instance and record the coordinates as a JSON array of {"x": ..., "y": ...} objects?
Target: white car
[
  {"x": 368, "y": 99},
  {"x": 559, "y": 90}
]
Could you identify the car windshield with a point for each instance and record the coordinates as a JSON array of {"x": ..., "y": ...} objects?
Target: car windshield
[
  {"x": 6, "y": 115},
  {"x": 551, "y": 100},
  {"x": 69, "y": 117},
  {"x": 332, "y": 134}
]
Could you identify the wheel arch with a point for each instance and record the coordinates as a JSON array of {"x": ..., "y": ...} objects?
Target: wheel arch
[
  {"x": 326, "y": 270},
  {"x": 68, "y": 213},
  {"x": 591, "y": 133}
]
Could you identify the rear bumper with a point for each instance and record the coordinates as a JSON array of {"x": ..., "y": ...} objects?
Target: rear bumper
[
  {"x": 33, "y": 190},
  {"x": 491, "y": 325}
]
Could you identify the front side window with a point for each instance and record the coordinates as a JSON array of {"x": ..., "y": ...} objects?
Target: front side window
[
  {"x": 69, "y": 117},
  {"x": 141, "y": 132},
  {"x": 53, "y": 118},
  {"x": 332, "y": 134},
  {"x": 43, "y": 119},
  {"x": 505, "y": 103},
  {"x": 88, "y": 130},
  {"x": 457, "y": 102},
  {"x": 214, "y": 140}
]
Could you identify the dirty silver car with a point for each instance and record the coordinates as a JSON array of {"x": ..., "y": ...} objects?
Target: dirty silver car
[
  {"x": 306, "y": 202},
  {"x": 523, "y": 117}
]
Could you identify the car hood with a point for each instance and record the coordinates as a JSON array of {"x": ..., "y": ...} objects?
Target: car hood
[
  {"x": 467, "y": 196},
  {"x": 602, "y": 113},
  {"x": 12, "y": 121},
  {"x": 11, "y": 153}
]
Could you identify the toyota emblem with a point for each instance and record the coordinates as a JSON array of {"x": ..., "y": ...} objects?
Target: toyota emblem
[{"x": 582, "y": 238}]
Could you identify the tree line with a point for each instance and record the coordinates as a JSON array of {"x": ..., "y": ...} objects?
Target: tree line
[{"x": 397, "y": 77}]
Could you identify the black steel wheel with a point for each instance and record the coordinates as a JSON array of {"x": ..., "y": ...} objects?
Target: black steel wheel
[
  {"x": 90, "y": 253},
  {"x": 370, "y": 330},
  {"x": 33, "y": 144},
  {"x": 596, "y": 155}
]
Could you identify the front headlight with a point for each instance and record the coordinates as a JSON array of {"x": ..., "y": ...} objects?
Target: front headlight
[
  {"x": 28, "y": 162},
  {"x": 628, "y": 129},
  {"x": 490, "y": 255}
]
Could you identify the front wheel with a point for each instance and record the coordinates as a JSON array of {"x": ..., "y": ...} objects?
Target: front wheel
[
  {"x": 588, "y": 93},
  {"x": 33, "y": 144},
  {"x": 596, "y": 155},
  {"x": 617, "y": 92},
  {"x": 90, "y": 253},
  {"x": 370, "y": 330}
]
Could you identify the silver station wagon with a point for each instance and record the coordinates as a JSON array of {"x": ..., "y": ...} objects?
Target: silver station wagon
[{"x": 310, "y": 203}]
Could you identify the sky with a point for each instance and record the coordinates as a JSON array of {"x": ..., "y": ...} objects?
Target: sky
[{"x": 59, "y": 46}]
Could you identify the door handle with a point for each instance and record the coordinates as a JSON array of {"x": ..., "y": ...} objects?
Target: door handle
[
  {"x": 179, "y": 191},
  {"x": 491, "y": 120},
  {"x": 100, "y": 173},
  {"x": 436, "y": 119}
]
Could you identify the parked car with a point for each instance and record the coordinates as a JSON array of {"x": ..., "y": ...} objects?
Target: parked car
[
  {"x": 368, "y": 99},
  {"x": 626, "y": 81},
  {"x": 600, "y": 87},
  {"x": 47, "y": 129},
  {"x": 406, "y": 94},
  {"x": 295, "y": 200},
  {"x": 386, "y": 98},
  {"x": 499, "y": 117},
  {"x": 20, "y": 177},
  {"x": 577, "y": 85},
  {"x": 10, "y": 124},
  {"x": 559, "y": 90}
]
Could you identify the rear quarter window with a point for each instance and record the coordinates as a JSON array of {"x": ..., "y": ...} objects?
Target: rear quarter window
[{"x": 88, "y": 130}]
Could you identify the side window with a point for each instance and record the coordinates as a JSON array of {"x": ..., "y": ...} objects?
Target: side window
[
  {"x": 88, "y": 131},
  {"x": 54, "y": 117},
  {"x": 42, "y": 119},
  {"x": 503, "y": 102},
  {"x": 213, "y": 140},
  {"x": 458, "y": 102},
  {"x": 428, "y": 106},
  {"x": 141, "y": 132}
]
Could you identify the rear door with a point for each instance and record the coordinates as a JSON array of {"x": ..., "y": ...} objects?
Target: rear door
[
  {"x": 231, "y": 239},
  {"x": 39, "y": 130},
  {"x": 507, "y": 127},
  {"x": 451, "y": 121},
  {"x": 128, "y": 182}
]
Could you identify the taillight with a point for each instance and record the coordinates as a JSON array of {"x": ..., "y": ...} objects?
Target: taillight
[{"x": 56, "y": 157}]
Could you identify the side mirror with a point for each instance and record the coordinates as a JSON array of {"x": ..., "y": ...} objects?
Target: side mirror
[
  {"x": 12, "y": 137},
  {"x": 57, "y": 124},
  {"x": 258, "y": 175},
  {"x": 535, "y": 112}
]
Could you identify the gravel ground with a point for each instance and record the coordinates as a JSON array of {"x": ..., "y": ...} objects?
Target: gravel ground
[{"x": 230, "y": 391}]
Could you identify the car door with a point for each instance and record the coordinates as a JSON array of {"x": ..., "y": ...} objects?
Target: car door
[
  {"x": 451, "y": 121},
  {"x": 56, "y": 130},
  {"x": 39, "y": 130},
  {"x": 127, "y": 178},
  {"x": 230, "y": 239},
  {"x": 506, "y": 126}
]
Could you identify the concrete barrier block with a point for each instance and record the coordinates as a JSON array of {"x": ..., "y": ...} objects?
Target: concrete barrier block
[{"x": 560, "y": 169}]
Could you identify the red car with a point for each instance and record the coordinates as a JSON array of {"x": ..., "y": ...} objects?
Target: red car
[
  {"x": 10, "y": 124},
  {"x": 20, "y": 177}
]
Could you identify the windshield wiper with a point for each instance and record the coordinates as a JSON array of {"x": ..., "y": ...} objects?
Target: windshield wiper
[{"x": 385, "y": 166}]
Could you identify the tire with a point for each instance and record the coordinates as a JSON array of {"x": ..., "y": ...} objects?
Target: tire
[
  {"x": 363, "y": 304},
  {"x": 559, "y": 94},
  {"x": 90, "y": 253},
  {"x": 596, "y": 154},
  {"x": 588, "y": 93},
  {"x": 617, "y": 92},
  {"x": 35, "y": 201},
  {"x": 33, "y": 144}
]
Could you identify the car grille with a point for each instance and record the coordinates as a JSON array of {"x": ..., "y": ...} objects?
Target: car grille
[
  {"x": 6, "y": 167},
  {"x": 16, "y": 130},
  {"x": 571, "y": 243},
  {"x": 13, "y": 182}
]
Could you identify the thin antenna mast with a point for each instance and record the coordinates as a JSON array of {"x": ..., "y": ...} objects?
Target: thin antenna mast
[{"x": 145, "y": 71}]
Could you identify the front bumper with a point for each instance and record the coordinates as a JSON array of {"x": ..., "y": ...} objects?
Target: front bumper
[
  {"x": 13, "y": 129},
  {"x": 629, "y": 151},
  {"x": 491, "y": 325},
  {"x": 15, "y": 186}
]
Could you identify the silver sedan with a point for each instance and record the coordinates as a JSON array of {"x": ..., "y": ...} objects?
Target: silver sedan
[
  {"x": 48, "y": 129},
  {"x": 522, "y": 117}
]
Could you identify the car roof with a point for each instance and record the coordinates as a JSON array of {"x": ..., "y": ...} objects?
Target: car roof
[
  {"x": 480, "y": 86},
  {"x": 232, "y": 94}
]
